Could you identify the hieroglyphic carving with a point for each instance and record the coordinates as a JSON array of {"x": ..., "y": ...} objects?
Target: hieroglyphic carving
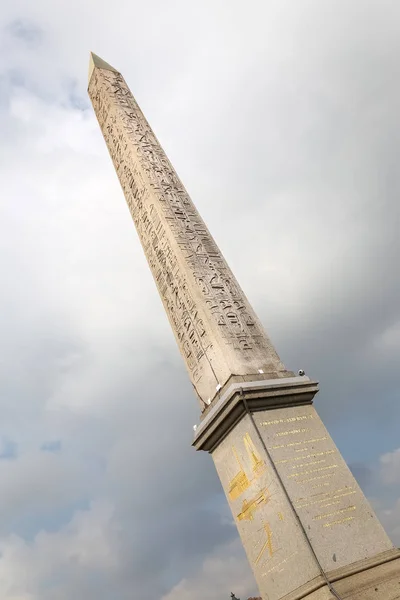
[
  {"x": 187, "y": 324},
  {"x": 205, "y": 305}
]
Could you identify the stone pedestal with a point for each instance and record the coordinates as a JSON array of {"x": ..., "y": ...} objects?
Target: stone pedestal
[{"x": 305, "y": 524}]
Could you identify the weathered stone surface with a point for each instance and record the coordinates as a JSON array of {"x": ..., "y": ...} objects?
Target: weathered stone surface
[
  {"x": 324, "y": 493},
  {"x": 270, "y": 533},
  {"x": 289, "y": 490}
]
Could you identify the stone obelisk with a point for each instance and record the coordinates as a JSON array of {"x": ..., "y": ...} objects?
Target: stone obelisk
[{"x": 306, "y": 527}]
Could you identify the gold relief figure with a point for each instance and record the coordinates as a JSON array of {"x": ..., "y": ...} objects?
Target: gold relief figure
[
  {"x": 267, "y": 545},
  {"x": 249, "y": 507},
  {"x": 258, "y": 465},
  {"x": 241, "y": 482}
]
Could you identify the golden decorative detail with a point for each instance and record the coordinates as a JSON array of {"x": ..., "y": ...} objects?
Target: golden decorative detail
[
  {"x": 267, "y": 545},
  {"x": 258, "y": 465},
  {"x": 249, "y": 507},
  {"x": 241, "y": 482}
]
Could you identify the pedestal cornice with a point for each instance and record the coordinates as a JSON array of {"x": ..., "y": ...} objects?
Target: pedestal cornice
[{"x": 256, "y": 396}]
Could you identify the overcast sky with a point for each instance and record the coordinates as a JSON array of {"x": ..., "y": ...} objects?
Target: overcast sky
[{"x": 282, "y": 119}]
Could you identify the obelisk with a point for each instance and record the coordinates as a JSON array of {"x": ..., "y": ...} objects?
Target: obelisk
[{"x": 307, "y": 529}]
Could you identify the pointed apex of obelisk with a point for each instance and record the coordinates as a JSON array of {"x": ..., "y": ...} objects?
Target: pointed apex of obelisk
[{"x": 98, "y": 63}]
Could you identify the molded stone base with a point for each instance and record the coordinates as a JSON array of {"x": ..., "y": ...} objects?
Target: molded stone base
[{"x": 376, "y": 579}]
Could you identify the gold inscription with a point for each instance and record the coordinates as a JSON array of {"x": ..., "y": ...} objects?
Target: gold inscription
[
  {"x": 335, "y": 512},
  {"x": 312, "y": 441},
  {"x": 313, "y": 471},
  {"x": 329, "y": 500},
  {"x": 314, "y": 478},
  {"x": 288, "y": 420},
  {"x": 327, "y": 494},
  {"x": 308, "y": 464},
  {"x": 312, "y": 455},
  {"x": 318, "y": 485},
  {"x": 323, "y": 503},
  {"x": 339, "y": 522},
  {"x": 279, "y": 565},
  {"x": 292, "y": 432}
]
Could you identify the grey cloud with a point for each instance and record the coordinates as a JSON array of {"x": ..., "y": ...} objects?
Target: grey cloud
[
  {"x": 390, "y": 467},
  {"x": 26, "y": 31},
  {"x": 223, "y": 571},
  {"x": 363, "y": 475},
  {"x": 390, "y": 518},
  {"x": 282, "y": 122}
]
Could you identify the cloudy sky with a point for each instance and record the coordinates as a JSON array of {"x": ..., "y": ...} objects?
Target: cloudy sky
[{"x": 282, "y": 119}]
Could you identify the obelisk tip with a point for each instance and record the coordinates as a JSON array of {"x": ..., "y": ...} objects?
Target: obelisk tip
[{"x": 96, "y": 62}]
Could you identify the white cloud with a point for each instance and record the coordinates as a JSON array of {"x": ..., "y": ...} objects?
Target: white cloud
[
  {"x": 389, "y": 515},
  {"x": 391, "y": 521},
  {"x": 38, "y": 483},
  {"x": 35, "y": 570},
  {"x": 225, "y": 570},
  {"x": 390, "y": 467}
]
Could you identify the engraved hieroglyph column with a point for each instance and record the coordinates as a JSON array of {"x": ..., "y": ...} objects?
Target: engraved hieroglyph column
[{"x": 306, "y": 527}]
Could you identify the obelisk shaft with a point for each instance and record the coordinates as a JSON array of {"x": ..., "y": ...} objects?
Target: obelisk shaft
[{"x": 218, "y": 333}]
